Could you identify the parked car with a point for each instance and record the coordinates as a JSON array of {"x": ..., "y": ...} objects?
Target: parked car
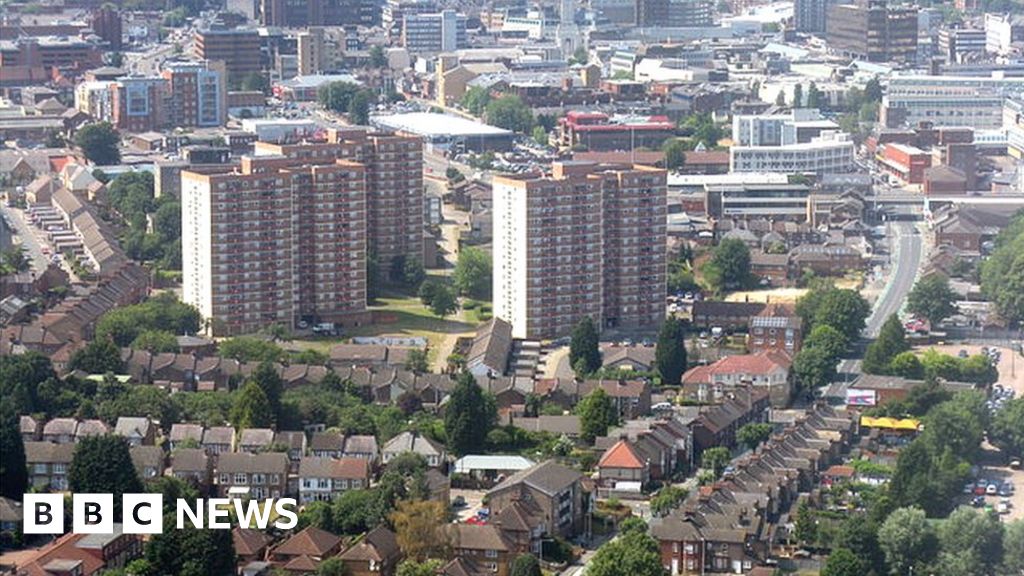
[
  {"x": 978, "y": 501},
  {"x": 992, "y": 490}
]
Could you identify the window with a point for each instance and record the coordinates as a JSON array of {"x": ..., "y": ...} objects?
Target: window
[{"x": 240, "y": 478}]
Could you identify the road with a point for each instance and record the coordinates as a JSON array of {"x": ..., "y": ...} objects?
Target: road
[
  {"x": 25, "y": 235},
  {"x": 907, "y": 253}
]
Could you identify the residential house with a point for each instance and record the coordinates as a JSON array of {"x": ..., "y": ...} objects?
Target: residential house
[
  {"x": 622, "y": 466},
  {"x": 294, "y": 444},
  {"x": 327, "y": 444},
  {"x": 717, "y": 424},
  {"x": 632, "y": 398},
  {"x": 557, "y": 492},
  {"x": 970, "y": 228},
  {"x": 630, "y": 358},
  {"x": 482, "y": 546},
  {"x": 489, "y": 353},
  {"x": 362, "y": 446},
  {"x": 322, "y": 479},
  {"x": 825, "y": 260},
  {"x": 149, "y": 461},
  {"x": 185, "y": 433},
  {"x": 375, "y": 554},
  {"x": 664, "y": 444},
  {"x": 303, "y": 552},
  {"x": 767, "y": 369},
  {"x": 77, "y": 554},
  {"x": 138, "y": 431},
  {"x": 219, "y": 439},
  {"x": 771, "y": 268},
  {"x": 409, "y": 441},
  {"x": 253, "y": 440},
  {"x": 11, "y": 517},
  {"x": 256, "y": 476},
  {"x": 60, "y": 430},
  {"x": 48, "y": 464},
  {"x": 250, "y": 544},
  {"x": 730, "y": 526},
  {"x": 31, "y": 429},
  {"x": 558, "y": 424},
  {"x": 725, "y": 315},
  {"x": 777, "y": 327},
  {"x": 91, "y": 427},
  {"x": 193, "y": 465}
]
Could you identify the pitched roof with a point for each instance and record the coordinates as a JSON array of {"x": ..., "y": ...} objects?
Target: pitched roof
[
  {"x": 760, "y": 363},
  {"x": 377, "y": 545},
  {"x": 477, "y": 537},
  {"x": 189, "y": 460},
  {"x": 621, "y": 455},
  {"x": 409, "y": 441},
  {"x": 549, "y": 477},
  {"x": 491, "y": 346},
  {"x": 312, "y": 541},
  {"x": 313, "y": 467},
  {"x": 48, "y": 452},
  {"x": 249, "y": 542}
]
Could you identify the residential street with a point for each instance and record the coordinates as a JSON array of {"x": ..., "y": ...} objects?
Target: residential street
[{"x": 906, "y": 259}]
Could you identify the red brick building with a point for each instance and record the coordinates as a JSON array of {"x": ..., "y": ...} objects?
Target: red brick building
[{"x": 907, "y": 163}]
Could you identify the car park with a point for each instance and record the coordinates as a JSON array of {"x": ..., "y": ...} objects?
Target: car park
[{"x": 992, "y": 490}]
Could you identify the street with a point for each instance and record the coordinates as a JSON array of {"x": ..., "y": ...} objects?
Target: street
[
  {"x": 906, "y": 259},
  {"x": 26, "y": 236}
]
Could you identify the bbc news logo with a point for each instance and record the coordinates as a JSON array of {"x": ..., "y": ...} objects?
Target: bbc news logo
[{"x": 144, "y": 513}]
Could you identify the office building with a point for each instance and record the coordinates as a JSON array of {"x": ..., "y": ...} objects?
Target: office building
[
  {"x": 781, "y": 201},
  {"x": 588, "y": 240},
  {"x": 964, "y": 101},
  {"x": 239, "y": 50},
  {"x": 873, "y": 30},
  {"x": 798, "y": 126},
  {"x": 60, "y": 52},
  {"x": 830, "y": 153},
  {"x": 310, "y": 51},
  {"x": 394, "y": 12},
  {"x": 106, "y": 23},
  {"x": 809, "y": 15},
  {"x": 285, "y": 237},
  {"x": 196, "y": 94},
  {"x": 301, "y": 13},
  {"x": 598, "y": 131},
  {"x": 674, "y": 13},
  {"x": 432, "y": 33},
  {"x": 961, "y": 44},
  {"x": 1001, "y": 31}
]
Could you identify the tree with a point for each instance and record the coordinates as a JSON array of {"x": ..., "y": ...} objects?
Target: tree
[
  {"x": 584, "y": 353},
  {"x": 155, "y": 341},
  {"x": 412, "y": 568},
  {"x": 798, "y": 96},
  {"x": 932, "y": 298},
  {"x": 419, "y": 529},
  {"x": 579, "y": 56},
  {"x": 511, "y": 113},
  {"x": 873, "y": 90},
  {"x": 443, "y": 302},
  {"x": 20, "y": 378},
  {"x": 359, "y": 108},
  {"x": 416, "y": 361},
  {"x": 469, "y": 416},
  {"x": 667, "y": 499},
  {"x": 670, "y": 352},
  {"x": 843, "y": 562},
  {"x": 525, "y": 565},
  {"x": 813, "y": 96},
  {"x": 100, "y": 142},
  {"x": 675, "y": 153},
  {"x": 780, "y": 98},
  {"x": 597, "y": 414},
  {"x": 249, "y": 349},
  {"x": 1007, "y": 430},
  {"x": 828, "y": 339},
  {"x": 98, "y": 357},
  {"x": 191, "y": 551},
  {"x": 805, "y": 528},
  {"x": 715, "y": 459},
  {"x": 907, "y": 539},
  {"x": 332, "y": 567},
  {"x": 813, "y": 368},
  {"x": 731, "y": 258},
  {"x": 976, "y": 532},
  {"x": 634, "y": 553},
  {"x": 472, "y": 273},
  {"x": 336, "y": 96},
  {"x": 377, "y": 57},
  {"x": 163, "y": 312},
  {"x": 1002, "y": 274},
  {"x": 475, "y": 100},
  {"x": 845, "y": 310},
  {"x": 906, "y": 365},
  {"x": 251, "y": 408},
  {"x": 103, "y": 465},
  {"x": 540, "y": 135},
  {"x": 1013, "y": 546},
  {"x": 860, "y": 535},
  {"x": 891, "y": 341},
  {"x": 754, "y": 433},
  {"x": 13, "y": 469},
  {"x": 14, "y": 260}
]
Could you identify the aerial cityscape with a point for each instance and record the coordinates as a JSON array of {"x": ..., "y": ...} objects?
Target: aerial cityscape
[{"x": 514, "y": 288}]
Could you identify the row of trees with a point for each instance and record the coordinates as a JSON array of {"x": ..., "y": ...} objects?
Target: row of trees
[
  {"x": 347, "y": 98},
  {"x": 1002, "y": 274},
  {"x": 890, "y": 354},
  {"x": 833, "y": 319},
  {"x": 131, "y": 195}
]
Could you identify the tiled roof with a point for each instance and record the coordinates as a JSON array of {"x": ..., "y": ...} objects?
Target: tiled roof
[
  {"x": 760, "y": 363},
  {"x": 621, "y": 455},
  {"x": 549, "y": 477},
  {"x": 310, "y": 542},
  {"x": 249, "y": 542}
]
